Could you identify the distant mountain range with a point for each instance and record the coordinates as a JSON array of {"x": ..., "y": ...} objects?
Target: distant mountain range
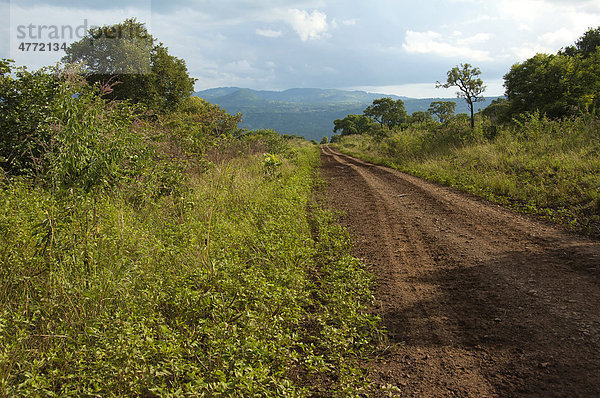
[{"x": 307, "y": 112}]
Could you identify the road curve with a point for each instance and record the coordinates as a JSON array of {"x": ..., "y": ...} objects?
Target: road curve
[{"x": 478, "y": 301}]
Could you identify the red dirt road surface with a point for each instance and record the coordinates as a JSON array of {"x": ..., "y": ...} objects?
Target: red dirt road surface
[{"x": 478, "y": 301}]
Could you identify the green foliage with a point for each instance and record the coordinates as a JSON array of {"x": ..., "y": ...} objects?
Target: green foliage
[
  {"x": 198, "y": 126},
  {"x": 269, "y": 140},
  {"x": 586, "y": 45},
  {"x": 24, "y": 108},
  {"x": 335, "y": 138},
  {"x": 498, "y": 111},
  {"x": 170, "y": 82},
  {"x": 470, "y": 86},
  {"x": 125, "y": 271},
  {"x": 420, "y": 117},
  {"x": 325, "y": 140},
  {"x": 59, "y": 130},
  {"x": 539, "y": 83},
  {"x": 271, "y": 164},
  {"x": 121, "y": 49},
  {"x": 90, "y": 143},
  {"x": 124, "y": 59},
  {"x": 564, "y": 84},
  {"x": 353, "y": 124},
  {"x": 443, "y": 110},
  {"x": 387, "y": 112},
  {"x": 230, "y": 288}
]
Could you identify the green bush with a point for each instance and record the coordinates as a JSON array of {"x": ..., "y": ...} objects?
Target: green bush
[{"x": 24, "y": 107}]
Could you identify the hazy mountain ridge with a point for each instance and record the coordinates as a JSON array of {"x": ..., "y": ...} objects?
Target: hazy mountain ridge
[{"x": 308, "y": 112}]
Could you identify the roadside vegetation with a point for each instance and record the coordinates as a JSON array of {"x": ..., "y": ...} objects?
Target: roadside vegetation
[
  {"x": 149, "y": 247},
  {"x": 537, "y": 150}
]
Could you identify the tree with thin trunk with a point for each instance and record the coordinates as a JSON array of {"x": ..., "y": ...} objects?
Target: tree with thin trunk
[
  {"x": 443, "y": 110},
  {"x": 465, "y": 77}
]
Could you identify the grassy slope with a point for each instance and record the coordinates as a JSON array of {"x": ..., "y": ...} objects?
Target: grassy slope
[
  {"x": 548, "y": 168},
  {"x": 232, "y": 289}
]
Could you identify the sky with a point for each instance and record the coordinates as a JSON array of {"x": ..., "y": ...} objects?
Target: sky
[{"x": 386, "y": 46}]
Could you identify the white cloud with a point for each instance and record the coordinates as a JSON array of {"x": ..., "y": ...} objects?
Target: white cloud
[
  {"x": 528, "y": 50},
  {"x": 430, "y": 42},
  {"x": 479, "y": 38},
  {"x": 551, "y": 12},
  {"x": 560, "y": 37},
  {"x": 269, "y": 33},
  {"x": 308, "y": 25},
  {"x": 522, "y": 9}
]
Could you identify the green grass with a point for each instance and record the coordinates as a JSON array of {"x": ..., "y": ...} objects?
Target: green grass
[
  {"x": 240, "y": 285},
  {"x": 538, "y": 166}
]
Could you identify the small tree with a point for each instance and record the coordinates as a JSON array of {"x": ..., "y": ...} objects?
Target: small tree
[
  {"x": 420, "y": 117},
  {"x": 471, "y": 87},
  {"x": 497, "y": 111},
  {"x": 125, "y": 58},
  {"x": 325, "y": 140},
  {"x": 353, "y": 124},
  {"x": 336, "y": 138},
  {"x": 443, "y": 110},
  {"x": 387, "y": 112}
]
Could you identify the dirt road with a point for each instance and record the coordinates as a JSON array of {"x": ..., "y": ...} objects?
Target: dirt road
[{"x": 477, "y": 300}]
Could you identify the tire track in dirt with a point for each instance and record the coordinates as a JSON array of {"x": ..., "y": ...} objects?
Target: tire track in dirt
[{"x": 478, "y": 300}]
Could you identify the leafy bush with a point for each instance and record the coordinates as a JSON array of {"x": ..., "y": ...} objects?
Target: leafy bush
[
  {"x": 60, "y": 130},
  {"x": 91, "y": 143},
  {"x": 271, "y": 164},
  {"x": 199, "y": 126},
  {"x": 24, "y": 108}
]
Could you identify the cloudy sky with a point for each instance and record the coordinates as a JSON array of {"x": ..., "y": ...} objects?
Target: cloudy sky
[{"x": 389, "y": 46}]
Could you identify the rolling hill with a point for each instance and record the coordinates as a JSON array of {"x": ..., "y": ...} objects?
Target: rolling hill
[{"x": 305, "y": 111}]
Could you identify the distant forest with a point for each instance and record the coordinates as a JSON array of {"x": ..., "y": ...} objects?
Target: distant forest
[{"x": 308, "y": 112}]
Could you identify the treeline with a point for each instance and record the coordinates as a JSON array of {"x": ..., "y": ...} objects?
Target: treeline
[
  {"x": 557, "y": 85},
  {"x": 386, "y": 114},
  {"x": 150, "y": 247}
]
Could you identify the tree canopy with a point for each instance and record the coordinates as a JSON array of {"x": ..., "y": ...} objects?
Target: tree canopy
[
  {"x": 560, "y": 84},
  {"x": 353, "y": 124},
  {"x": 387, "y": 112},
  {"x": 586, "y": 45},
  {"x": 125, "y": 60},
  {"x": 420, "y": 117},
  {"x": 470, "y": 86},
  {"x": 443, "y": 110}
]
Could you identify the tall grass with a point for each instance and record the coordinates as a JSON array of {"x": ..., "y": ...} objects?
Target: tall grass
[
  {"x": 540, "y": 166},
  {"x": 228, "y": 288}
]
